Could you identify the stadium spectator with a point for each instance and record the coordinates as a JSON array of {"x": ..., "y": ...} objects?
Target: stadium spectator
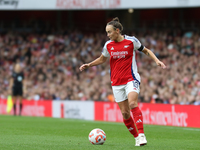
[{"x": 40, "y": 54}]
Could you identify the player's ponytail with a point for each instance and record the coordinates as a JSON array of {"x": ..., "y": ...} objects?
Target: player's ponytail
[
  {"x": 116, "y": 19},
  {"x": 116, "y": 24}
]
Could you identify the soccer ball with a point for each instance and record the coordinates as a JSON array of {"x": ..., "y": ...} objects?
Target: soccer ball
[{"x": 97, "y": 137}]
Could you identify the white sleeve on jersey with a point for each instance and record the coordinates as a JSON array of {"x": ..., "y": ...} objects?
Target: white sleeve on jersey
[
  {"x": 136, "y": 43},
  {"x": 105, "y": 51}
]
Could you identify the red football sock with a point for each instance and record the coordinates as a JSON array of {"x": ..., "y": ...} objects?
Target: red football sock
[
  {"x": 138, "y": 118},
  {"x": 131, "y": 126}
]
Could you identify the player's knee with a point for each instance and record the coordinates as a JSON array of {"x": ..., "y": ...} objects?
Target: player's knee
[
  {"x": 126, "y": 115},
  {"x": 133, "y": 104}
]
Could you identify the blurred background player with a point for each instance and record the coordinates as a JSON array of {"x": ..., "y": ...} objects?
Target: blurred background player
[
  {"x": 17, "y": 86},
  {"x": 125, "y": 79}
]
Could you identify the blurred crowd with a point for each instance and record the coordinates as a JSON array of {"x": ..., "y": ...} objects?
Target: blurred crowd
[{"x": 51, "y": 64}]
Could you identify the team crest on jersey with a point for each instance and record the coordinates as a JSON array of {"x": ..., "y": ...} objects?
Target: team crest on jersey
[
  {"x": 135, "y": 84},
  {"x": 126, "y": 46},
  {"x": 19, "y": 78}
]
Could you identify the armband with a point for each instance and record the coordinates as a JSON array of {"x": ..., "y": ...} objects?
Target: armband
[{"x": 141, "y": 48}]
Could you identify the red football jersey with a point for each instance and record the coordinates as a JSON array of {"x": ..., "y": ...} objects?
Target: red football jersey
[{"x": 123, "y": 67}]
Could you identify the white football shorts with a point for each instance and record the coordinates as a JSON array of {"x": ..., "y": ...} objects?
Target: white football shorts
[{"x": 121, "y": 91}]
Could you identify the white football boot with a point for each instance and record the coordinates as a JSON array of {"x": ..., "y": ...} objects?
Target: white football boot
[
  {"x": 137, "y": 141},
  {"x": 142, "y": 139}
]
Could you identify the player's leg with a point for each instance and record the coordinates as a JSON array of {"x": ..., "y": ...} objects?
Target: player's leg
[
  {"x": 20, "y": 104},
  {"x": 14, "y": 98},
  {"x": 121, "y": 99},
  {"x": 128, "y": 120},
  {"x": 137, "y": 114},
  {"x": 20, "y": 97},
  {"x": 133, "y": 90}
]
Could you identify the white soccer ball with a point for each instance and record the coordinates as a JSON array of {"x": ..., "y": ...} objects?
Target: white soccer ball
[{"x": 97, "y": 136}]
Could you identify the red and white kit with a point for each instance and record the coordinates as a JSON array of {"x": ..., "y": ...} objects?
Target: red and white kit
[{"x": 123, "y": 65}]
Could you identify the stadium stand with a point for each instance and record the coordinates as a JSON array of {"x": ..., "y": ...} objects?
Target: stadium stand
[{"x": 51, "y": 64}]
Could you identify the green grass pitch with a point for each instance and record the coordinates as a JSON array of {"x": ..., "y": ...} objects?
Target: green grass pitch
[{"x": 37, "y": 133}]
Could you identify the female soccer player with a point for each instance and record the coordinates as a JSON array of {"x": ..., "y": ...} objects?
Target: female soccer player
[{"x": 125, "y": 79}]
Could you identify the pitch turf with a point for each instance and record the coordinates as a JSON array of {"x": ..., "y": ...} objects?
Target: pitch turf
[{"x": 37, "y": 133}]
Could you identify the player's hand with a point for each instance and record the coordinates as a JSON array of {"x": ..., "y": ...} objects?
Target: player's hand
[
  {"x": 84, "y": 66},
  {"x": 24, "y": 91},
  {"x": 161, "y": 64},
  {"x": 9, "y": 92}
]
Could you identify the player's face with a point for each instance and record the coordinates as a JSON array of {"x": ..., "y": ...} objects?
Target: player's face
[
  {"x": 111, "y": 33},
  {"x": 17, "y": 68}
]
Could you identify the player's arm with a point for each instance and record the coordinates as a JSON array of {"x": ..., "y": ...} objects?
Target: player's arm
[
  {"x": 96, "y": 62},
  {"x": 10, "y": 85},
  {"x": 153, "y": 56},
  {"x": 24, "y": 86}
]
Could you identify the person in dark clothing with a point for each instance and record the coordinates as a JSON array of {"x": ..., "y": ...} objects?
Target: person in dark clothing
[{"x": 17, "y": 86}]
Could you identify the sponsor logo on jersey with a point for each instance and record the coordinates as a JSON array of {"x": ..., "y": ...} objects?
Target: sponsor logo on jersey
[{"x": 119, "y": 54}]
